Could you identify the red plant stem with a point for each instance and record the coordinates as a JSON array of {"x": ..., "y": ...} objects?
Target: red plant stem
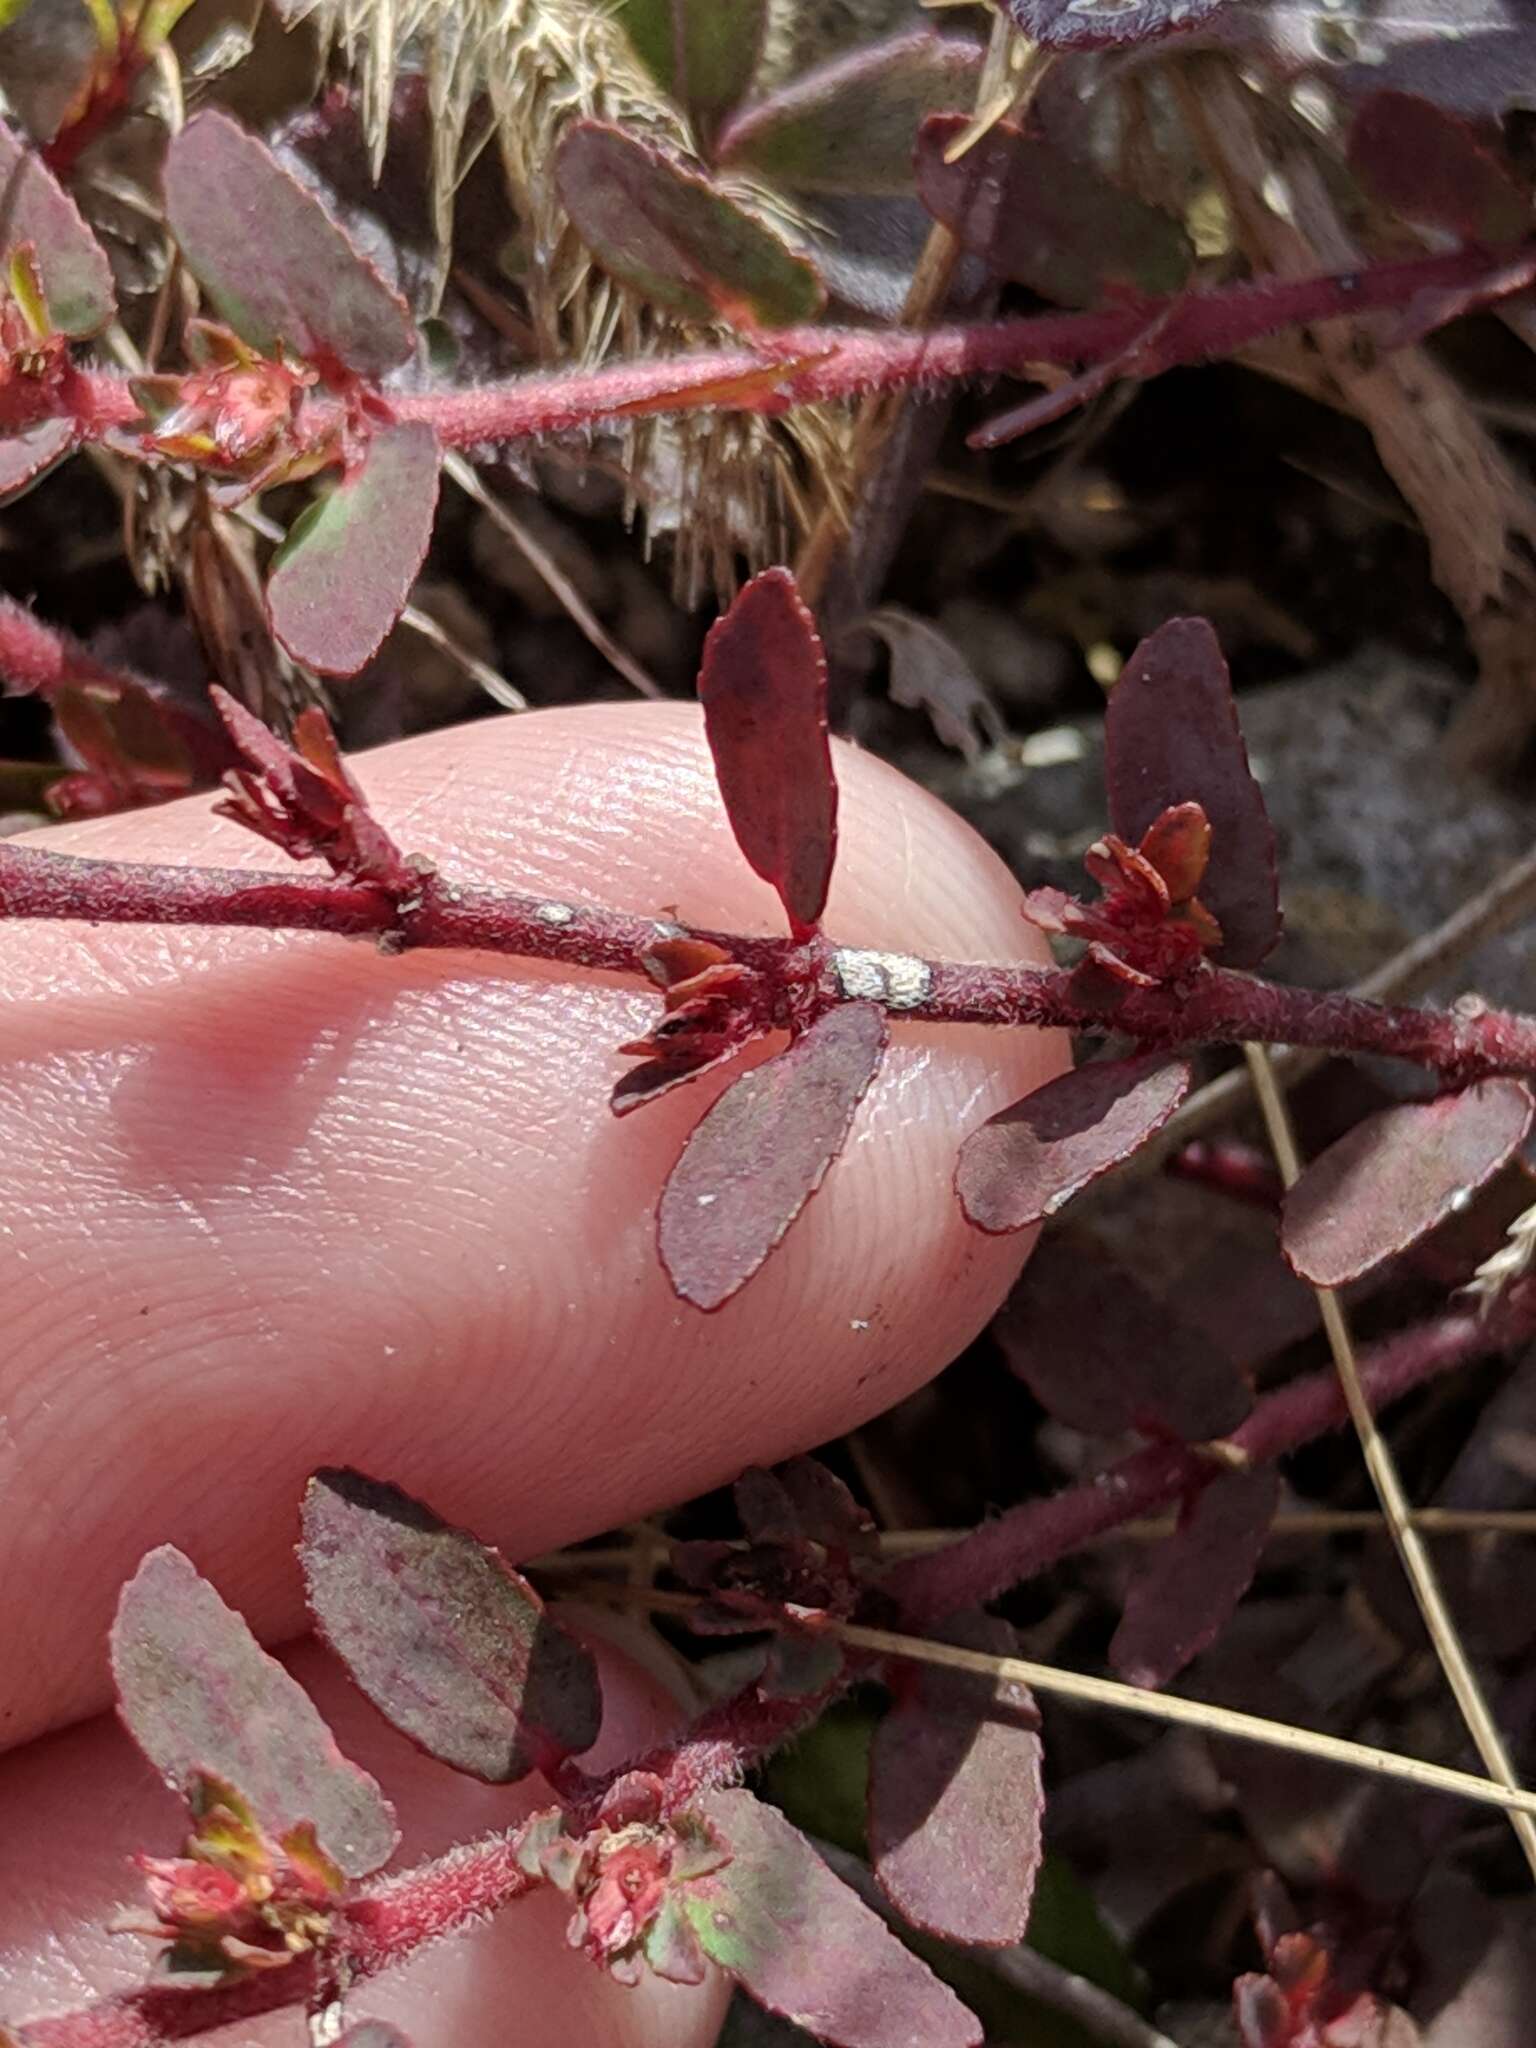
[
  {"x": 402, "y": 1914},
  {"x": 36, "y": 656},
  {"x": 1213, "y": 1007},
  {"x": 377, "y": 1930},
  {"x": 821, "y": 364},
  {"x": 1037, "y": 1534}
]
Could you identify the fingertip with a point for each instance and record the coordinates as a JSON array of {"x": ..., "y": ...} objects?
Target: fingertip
[{"x": 276, "y": 1201}]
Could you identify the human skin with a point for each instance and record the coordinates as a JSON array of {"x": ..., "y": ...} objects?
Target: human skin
[{"x": 269, "y": 1201}]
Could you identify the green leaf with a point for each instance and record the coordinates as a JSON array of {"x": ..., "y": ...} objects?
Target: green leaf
[
  {"x": 272, "y": 260},
  {"x": 35, "y": 209},
  {"x": 677, "y": 239},
  {"x": 701, "y": 52},
  {"x": 1034, "y": 214},
  {"x": 344, "y": 574},
  {"x": 851, "y": 126}
]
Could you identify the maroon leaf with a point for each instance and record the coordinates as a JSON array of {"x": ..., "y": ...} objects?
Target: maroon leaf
[
  {"x": 448, "y": 1641},
  {"x": 955, "y": 1798},
  {"x": 1102, "y": 24},
  {"x": 1186, "y": 1592},
  {"x": 751, "y": 1165},
  {"x": 806, "y": 1948},
  {"x": 1396, "y": 1175},
  {"x": 676, "y": 238},
  {"x": 1432, "y": 168},
  {"x": 1033, "y": 213},
  {"x": 27, "y": 457},
  {"x": 312, "y": 293},
  {"x": 1105, "y": 1355},
  {"x": 1031, "y": 1159},
  {"x": 72, "y": 265},
  {"x": 1171, "y": 737},
  {"x": 763, "y": 685},
  {"x": 200, "y": 1695},
  {"x": 344, "y": 574},
  {"x": 849, "y": 126}
]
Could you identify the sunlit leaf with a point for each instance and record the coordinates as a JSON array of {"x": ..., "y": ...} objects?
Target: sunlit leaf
[
  {"x": 1397, "y": 1174},
  {"x": 701, "y": 53},
  {"x": 35, "y": 209},
  {"x": 1472, "y": 57},
  {"x": 750, "y": 1166},
  {"x": 227, "y": 196},
  {"x": 850, "y": 126},
  {"x": 676, "y": 238},
  {"x": 1171, "y": 737},
  {"x": 805, "y": 1947},
  {"x": 1030, "y": 1160},
  {"x": 763, "y": 686},
  {"x": 1033, "y": 213},
  {"x": 200, "y": 1695},
  {"x": 1103, "y": 24},
  {"x": 1433, "y": 168},
  {"x": 1187, "y": 1590},
  {"x": 344, "y": 574},
  {"x": 955, "y": 1798},
  {"x": 448, "y": 1641},
  {"x": 1110, "y": 1356}
]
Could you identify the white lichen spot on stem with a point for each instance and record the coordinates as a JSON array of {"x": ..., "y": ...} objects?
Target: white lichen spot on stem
[{"x": 897, "y": 980}]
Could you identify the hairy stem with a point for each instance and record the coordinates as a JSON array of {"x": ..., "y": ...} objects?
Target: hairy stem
[
  {"x": 818, "y": 365},
  {"x": 1037, "y": 1534},
  {"x": 391, "y": 1921},
  {"x": 1214, "y": 1006}
]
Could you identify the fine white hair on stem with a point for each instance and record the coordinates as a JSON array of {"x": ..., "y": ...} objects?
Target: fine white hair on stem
[{"x": 510, "y": 75}]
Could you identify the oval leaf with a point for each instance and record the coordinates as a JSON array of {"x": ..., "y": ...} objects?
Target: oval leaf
[
  {"x": 200, "y": 1695},
  {"x": 806, "y": 1948},
  {"x": 344, "y": 574},
  {"x": 1033, "y": 213},
  {"x": 1109, "y": 1357},
  {"x": 1107, "y": 24},
  {"x": 1432, "y": 168},
  {"x": 753, "y": 1162},
  {"x": 955, "y": 1798},
  {"x": 850, "y": 126},
  {"x": 675, "y": 238},
  {"x": 448, "y": 1641},
  {"x": 763, "y": 686},
  {"x": 1396, "y": 1175},
  {"x": 1171, "y": 737},
  {"x": 702, "y": 54},
  {"x": 1031, "y": 1159},
  {"x": 73, "y": 266},
  {"x": 1188, "y": 1589},
  {"x": 227, "y": 195}
]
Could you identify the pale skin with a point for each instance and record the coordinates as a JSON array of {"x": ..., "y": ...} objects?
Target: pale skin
[{"x": 273, "y": 1201}]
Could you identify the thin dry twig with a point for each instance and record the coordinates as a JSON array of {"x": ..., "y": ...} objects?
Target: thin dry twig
[
  {"x": 1290, "y": 1522},
  {"x": 1382, "y": 1467},
  {"x": 1226, "y": 1722},
  {"x": 544, "y": 564}
]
